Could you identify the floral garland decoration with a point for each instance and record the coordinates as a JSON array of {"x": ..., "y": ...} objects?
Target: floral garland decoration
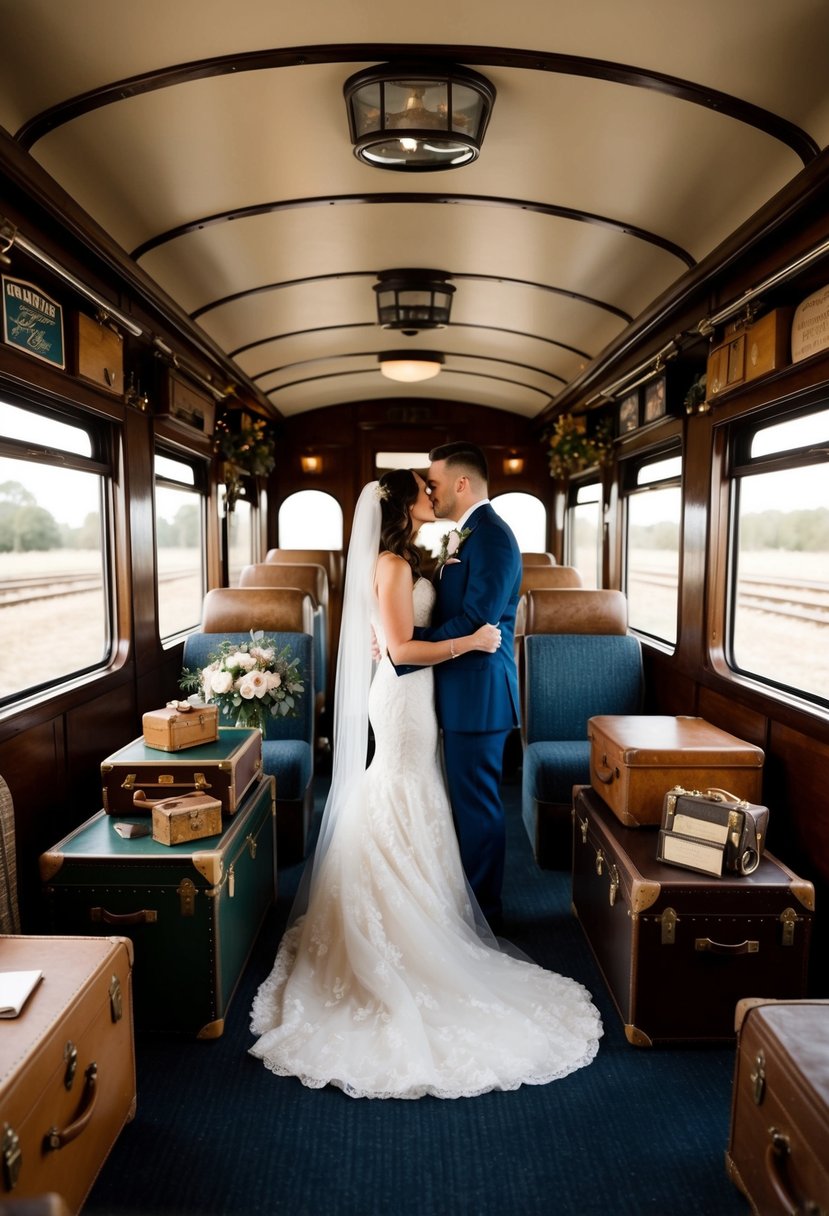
[
  {"x": 250, "y": 682},
  {"x": 572, "y": 450},
  {"x": 246, "y": 452}
]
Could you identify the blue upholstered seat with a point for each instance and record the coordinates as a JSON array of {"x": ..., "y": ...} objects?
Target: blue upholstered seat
[
  {"x": 288, "y": 745},
  {"x": 569, "y": 679}
]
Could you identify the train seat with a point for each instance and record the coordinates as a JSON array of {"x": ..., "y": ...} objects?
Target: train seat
[
  {"x": 313, "y": 580},
  {"x": 549, "y": 576},
  {"x": 537, "y": 559},
  {"x": 574, "y": 610},
  {"x": 288, "y": 744},
  {"x": 568, "y": 677},
  {"x": 240, "y": 609},
  {"x": 333, "y": 562}
]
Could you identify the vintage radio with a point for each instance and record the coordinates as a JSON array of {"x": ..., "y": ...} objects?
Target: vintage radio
[
  {"x": 713, "y": 831},
  {"x": 180, "y": 725}
]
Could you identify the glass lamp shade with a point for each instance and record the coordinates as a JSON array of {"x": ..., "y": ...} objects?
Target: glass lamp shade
[
  {"x": 409, "y": 367},
  {"x": 411, "y": 300},
  {"x": 418, "y": 117}
]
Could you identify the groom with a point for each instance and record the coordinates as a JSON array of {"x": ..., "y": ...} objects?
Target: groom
[{"x": 477, "y": 695}]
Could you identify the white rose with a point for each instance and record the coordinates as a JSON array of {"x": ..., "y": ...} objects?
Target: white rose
[
  {"x": 452, "y": 543},
  {"x": 274, "y": 679},
  {"x": 221, "y": 682},
  {"x": 246, "y": 688},
  {"x": 262, "y": 656},
  {"x": 241, "y": 660},
  {"x": 258, "y": 681}
]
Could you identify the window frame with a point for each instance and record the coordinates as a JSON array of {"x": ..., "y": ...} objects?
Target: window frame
[
  {"x": 200, "y": 486},
  {"x": 629, "y": 469}
]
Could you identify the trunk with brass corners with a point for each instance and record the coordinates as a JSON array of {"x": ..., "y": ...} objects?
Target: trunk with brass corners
[
  {"x": 678, "y": 949},
  {"x": 67, "y": 1066},
  {"x": 635, "y": 759},
  {"x": 137, "y": 775},
  {"x": 193, "y": 912},
  {"x": 778, "y": 1147}
]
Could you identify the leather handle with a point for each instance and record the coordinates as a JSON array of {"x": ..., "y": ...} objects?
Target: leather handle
[
  {"x": 54, "y": 1138},
  {"x": 605, "y": 775},
  {"x": 146, "y": 916},
  {"x": 777, "y": 1154},
  {"x": 720, "y": 795},
  {"x": 706, "y": 945}
]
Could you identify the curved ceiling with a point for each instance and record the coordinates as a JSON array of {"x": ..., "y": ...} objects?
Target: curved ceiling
[{"x": 627, "y": 141}]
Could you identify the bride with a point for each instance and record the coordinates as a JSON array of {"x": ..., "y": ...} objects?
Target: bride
[{"x": 388, "y": 982}]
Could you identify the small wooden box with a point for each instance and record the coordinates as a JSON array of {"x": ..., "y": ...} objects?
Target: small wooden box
[
  {"x": 171, "y": 729},
  {"x": 767, "y": 345},
  {"x": 99, "y": 354},
  {"x": 191, "y": 817},
  {"x": 726, "y": 367},
  {"x": 185, "y": 404}
]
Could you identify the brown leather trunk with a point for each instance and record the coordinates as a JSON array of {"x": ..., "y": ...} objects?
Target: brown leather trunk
[
  {"x": 67, "y": 1065},
  {"x": 778, "y": 1150},
  {"x": 636, "y": 758},
  {"x": 136, "y": 776},
  {"x": 679, "y": 949}
]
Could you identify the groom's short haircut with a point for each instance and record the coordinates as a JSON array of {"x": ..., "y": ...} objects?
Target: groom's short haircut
[{"x": 462, "y": 455}]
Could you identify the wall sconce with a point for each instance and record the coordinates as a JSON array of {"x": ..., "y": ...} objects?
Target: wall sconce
[
  {"x": 513, "y": 465},
  {"x": 417, "y": 116},
  {"x": 409, "y": 367},
  {"x": 311, "y": 464}
]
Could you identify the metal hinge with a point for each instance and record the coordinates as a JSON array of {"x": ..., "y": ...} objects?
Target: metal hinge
[
  {"x": 668, "y": 921},
  {"x": 614, "y": 884},
  {"x": 788, "y": 919},
  {"x": 12, "y": 1156},
  {"x": 599, "y": 861},
  {"x": 231, "y": 882},
  {"x": 186, "y": 891},
  {"x": 758, "y": 1079},
  {"x": 250, "y": 841},
  {"x": 116, "y": 1004}
]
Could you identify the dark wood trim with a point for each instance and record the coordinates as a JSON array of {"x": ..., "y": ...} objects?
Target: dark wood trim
[
  {"x": 372, "y": 354},
  {"x": 446, "y": 371},
  {"x": 393, "y": 198},
  {"x": 481, "y": 56}
]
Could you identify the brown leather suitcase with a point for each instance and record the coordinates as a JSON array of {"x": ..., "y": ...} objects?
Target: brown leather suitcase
[
  {"x": 678, "y": 949},
  {"x": 778, "y": 1149},
  {"x": 180, "y": 725},
  {"x": 636, "y": 758},
  {"x": 67, "y": 1065}
]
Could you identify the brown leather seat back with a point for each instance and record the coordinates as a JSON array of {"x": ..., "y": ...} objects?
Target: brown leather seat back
[
  {"x": 549, "y": 576},
  {"x": 575, "y": 610},
  {"x": 312, "y": 579},
  {"x": 537, "y": 559},
  {"x": 238, "y": 609},
  {"x": 331, "y": 560}
]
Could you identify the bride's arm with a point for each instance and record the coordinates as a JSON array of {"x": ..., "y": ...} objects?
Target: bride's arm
[{"x": 394, "y": 593}]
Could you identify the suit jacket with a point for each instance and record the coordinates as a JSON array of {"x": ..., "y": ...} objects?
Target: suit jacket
[{"x": 477, "y": 691}]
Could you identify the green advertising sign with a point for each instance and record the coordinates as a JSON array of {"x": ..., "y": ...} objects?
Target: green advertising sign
[{"x": 32, "y": 321}]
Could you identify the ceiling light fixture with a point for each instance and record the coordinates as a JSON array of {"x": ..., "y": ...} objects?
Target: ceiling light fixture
[
  {"x": 415, "y": 117},
  {"x": 411, "y": 300},
  {"x": 408, "y": 367}
]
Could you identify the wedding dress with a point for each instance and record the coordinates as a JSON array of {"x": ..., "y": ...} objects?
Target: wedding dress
[{"x": 386, "y": 987}]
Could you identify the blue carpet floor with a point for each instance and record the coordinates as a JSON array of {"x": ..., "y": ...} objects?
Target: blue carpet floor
[{"x": 639, "y": 1131}]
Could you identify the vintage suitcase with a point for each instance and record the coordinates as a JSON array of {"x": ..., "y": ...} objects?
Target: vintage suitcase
[
  {"x": 137, "y": 775},
  {"x": 67, "y": 1066},
  {"x": 193, "y": 912},
  {"x": 636, "y": 758},
  {"x": 190, "y": 817},
  {"x": 778, "y": 1149},
  {"x": 712, "y": 831},
  {"x": 678, "y": 949},
  {"x": 180, "y": 725}
]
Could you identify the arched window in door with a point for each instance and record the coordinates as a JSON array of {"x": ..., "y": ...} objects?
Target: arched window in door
[
  {"x": 527, "y": 516},
  {"x": 310, "y": 519}
]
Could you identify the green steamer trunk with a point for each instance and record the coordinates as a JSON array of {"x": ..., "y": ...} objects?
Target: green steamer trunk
[{"x": 193, "y": 911}]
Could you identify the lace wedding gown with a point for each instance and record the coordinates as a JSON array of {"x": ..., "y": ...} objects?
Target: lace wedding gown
[{"x": 384, "y": 987}]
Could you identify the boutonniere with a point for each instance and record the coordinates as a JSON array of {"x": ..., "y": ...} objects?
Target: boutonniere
[{"x": 450, "y": 544}]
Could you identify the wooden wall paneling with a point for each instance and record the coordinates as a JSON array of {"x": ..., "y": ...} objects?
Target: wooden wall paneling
[
  {"x": 667, "y": 691},
  {"x": 34, "y": 766},
  {"x": 93, "y": 731},
  {"x": 158, "y": 685},
  {"x": 139, "y": 487},
  {"x": 733, "y": 715}
]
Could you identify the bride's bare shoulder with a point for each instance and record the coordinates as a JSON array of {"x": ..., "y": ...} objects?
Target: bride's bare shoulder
[{"x": 391, "y": 563}]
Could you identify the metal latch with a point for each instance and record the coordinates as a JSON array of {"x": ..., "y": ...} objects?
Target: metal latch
[
  {"x": 583, "y": 826},
  {"x": 186, "y": 891},
  {"x": 116, "y": 1004},
  {"x": 614, "y": 883},
  {"x": 758, "y": 1079},
  {"x": 668, "y": 921},
  {"x": 788, "y": 918},
  {"x": 231, "y": 882},
  {"x": 599, "y": 860},
  {"x": 12, "y": 1156},
  {"x": 201, "y": 782},
  {"x": 250, "y": 841},
  {"x": 70, "y": 1055}
]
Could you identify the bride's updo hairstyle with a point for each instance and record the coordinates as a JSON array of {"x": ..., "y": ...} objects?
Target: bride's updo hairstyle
[{"x": 397, "y": 492}]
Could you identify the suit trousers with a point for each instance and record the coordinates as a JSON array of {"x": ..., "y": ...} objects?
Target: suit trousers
[{"x": 474, "y": 764}]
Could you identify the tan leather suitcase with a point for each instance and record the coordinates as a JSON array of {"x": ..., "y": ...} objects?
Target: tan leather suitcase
[
  {"x": 778, "y": 1149},
  {"x": 635, "y": 759},
  {"x": 67, "y": 1065},
  {"x": 172, "y": 729}
]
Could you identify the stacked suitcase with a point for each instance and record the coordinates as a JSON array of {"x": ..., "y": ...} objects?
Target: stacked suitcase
[{"x": 678, "y": 949}]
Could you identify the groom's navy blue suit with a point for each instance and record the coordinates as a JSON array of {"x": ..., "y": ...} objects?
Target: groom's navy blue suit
[{"x": 477, "y": 694}]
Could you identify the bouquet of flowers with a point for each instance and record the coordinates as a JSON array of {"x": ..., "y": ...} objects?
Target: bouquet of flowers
[
  {"x": 249, "y": 682},
  {"x": 571, "y": 449}
]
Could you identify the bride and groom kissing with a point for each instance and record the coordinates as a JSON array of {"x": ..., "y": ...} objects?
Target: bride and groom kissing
[{"x": 388, "y": 981}]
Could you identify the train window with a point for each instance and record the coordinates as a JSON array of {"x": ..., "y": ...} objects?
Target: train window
[
  {"x": 653, "y": 501},
  {"x": 54, "y": 567},
  {"x": 527, "y": 516},
  {"x": 239, "y": 534},
  {"x": 179, "y": 540},
  {"x": 779, "y": 599},
  {"x": 310, "y": 519},
  {"x": 583, "y": 531}
]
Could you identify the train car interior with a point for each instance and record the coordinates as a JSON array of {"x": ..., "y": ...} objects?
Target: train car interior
[{"x": 254, "y": 257}]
